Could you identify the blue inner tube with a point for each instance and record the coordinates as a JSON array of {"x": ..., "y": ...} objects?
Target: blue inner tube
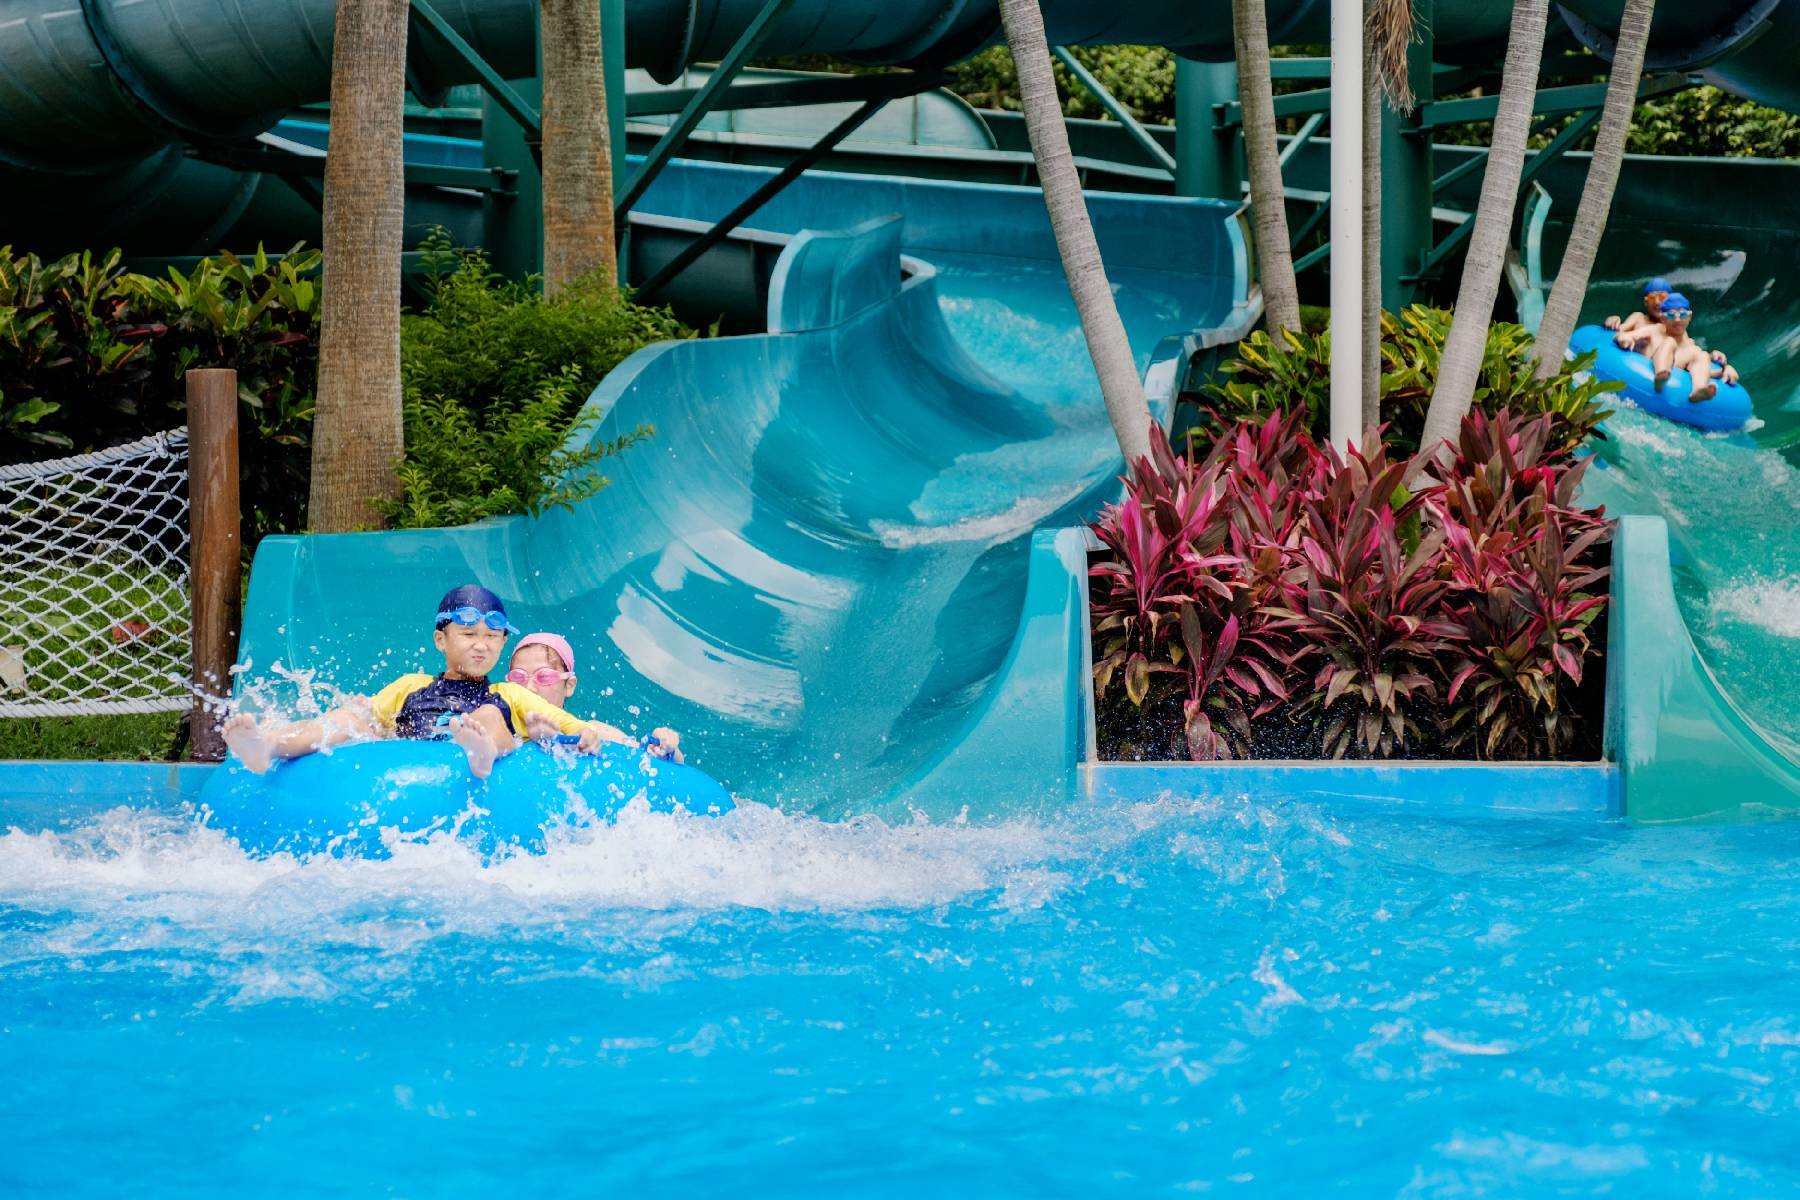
[
  {"x": 340, "y": 802},
  {"x": 1728, "y": 411}
]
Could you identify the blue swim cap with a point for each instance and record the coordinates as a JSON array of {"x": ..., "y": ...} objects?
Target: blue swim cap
[
  {"x": 1659, "y": 284},
  {"x": 469, "y": 595},
  {"x": 1675, "y": 302}
]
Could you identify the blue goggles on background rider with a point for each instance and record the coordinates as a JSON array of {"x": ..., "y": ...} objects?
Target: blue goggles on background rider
[{"x": 468, "y": 614}]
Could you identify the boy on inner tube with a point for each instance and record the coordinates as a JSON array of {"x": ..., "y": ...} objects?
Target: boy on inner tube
[
  {"x": 485, "y": 720},
  {"x": 1645, "y": 333},
  {"x": 1679, "y": 352}
]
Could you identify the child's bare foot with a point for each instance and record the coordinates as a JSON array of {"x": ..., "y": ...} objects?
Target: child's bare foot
[
  {"x": 1703, "y": 393},
  {"x": 476, "y": 744},
  {"x": 254, "y": 748},
  {"x": 1662, "y": 377},
  {"x": 540, "y": 728}
]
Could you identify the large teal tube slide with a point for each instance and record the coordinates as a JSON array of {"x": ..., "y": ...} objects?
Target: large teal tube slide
[{"x": 108, "y": 81}]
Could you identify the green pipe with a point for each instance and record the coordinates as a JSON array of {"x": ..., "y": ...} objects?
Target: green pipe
[
  {"x": 1406, "y": 184},
  {"x": 1207, "y": 156}
]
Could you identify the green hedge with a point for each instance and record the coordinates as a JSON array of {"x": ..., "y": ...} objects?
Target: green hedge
[{"x": 92, "y": 355}]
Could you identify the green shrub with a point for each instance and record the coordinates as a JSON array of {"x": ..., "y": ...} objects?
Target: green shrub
[
  {"x": 1705, "y": 120},
  {"x": 260, "y": 317},
  {"x": 1142, "y": 78},
  {"x": 495, "y": 376},
  {"x": 465, "y": 464},
  {"x": 1267, "y": 377},
  {"x": 92, "y": 355},
  {"x": 483, "y": 339},
  {"x": 77, "y": 368}
]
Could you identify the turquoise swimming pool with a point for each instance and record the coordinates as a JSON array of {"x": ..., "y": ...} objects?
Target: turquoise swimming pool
[{"x": 1259, "y": 995}]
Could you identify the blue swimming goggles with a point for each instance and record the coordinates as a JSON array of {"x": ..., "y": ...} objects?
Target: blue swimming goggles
[{"x": 468, "y": 614}]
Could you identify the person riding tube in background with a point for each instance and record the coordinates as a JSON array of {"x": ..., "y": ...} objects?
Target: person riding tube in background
[
  {"x": 545, "y": 663},
  {"x": 1679, "y": 352},
  {"x": 459, "y": 704},
  {"x": 1643, "y": 331}
]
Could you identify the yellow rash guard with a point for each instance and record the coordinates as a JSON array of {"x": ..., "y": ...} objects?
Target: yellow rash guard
[{"x": 420, "y": 705}]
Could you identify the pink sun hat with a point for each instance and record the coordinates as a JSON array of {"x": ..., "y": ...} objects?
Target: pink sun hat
[{"x": 556, "y": 642}]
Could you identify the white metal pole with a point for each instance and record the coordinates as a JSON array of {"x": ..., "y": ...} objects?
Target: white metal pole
[{"x": 1346, "y": 221}]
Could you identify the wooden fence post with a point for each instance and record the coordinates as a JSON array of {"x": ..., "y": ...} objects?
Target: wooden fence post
[{"x": 214, "y": 554}]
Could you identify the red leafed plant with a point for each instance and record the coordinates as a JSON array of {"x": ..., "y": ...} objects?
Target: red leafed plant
[
  {"x": 1177, "y": 600},
  {"x": 1273, "y": 582},
  {"x": 1521, "y": 561},
  {"x": 1366, "y": 613}
]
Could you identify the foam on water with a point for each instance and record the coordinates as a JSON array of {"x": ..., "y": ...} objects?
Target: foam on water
[
  {"x": 1731, "y": 509},
  {"x": 1175, "y": 995}
]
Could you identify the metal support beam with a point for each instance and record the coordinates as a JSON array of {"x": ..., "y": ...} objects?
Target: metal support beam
[
  {"x": 1406, "y": 166},
  {"x": 272, "y": 161},
  {"x": 909, "y": 85},
  {"x": 1551, "y": 102},
  {"x": 1300, "y": 68},
  {"x": 1311, "y": 258},
  {"x": 1299, "y": 141},
  {"x": 1206, "y": 155},
  {"x": 751, "y": 40},
  {"x": 1311, "y": 223},
  {"x": 780, "y": 94},
  {"x": 1117, "y": 111},
  {"x": 428, "y": 21},
  {"x": 1540, "y": 162},
  {"x": 612, "y": 63},
  {"x": 1294, "y": 104}
]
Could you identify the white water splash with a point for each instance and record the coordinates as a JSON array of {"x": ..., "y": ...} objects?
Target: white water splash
[{"x": 1772, "y": 605}]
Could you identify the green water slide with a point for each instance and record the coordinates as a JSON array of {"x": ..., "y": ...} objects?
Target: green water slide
[{"x": 822, "y": 570}]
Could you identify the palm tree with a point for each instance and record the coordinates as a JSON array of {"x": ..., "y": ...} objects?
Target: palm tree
[
  {"x": 1460, "y": 367},
  {"x": 358, "y": 436},
  {"x": 1108, "y": 345},
  {"x": 577, "y": 149},
  {"x": 1566, "y": 295},
  {"x": 1268, "y": 200},
  {"x": 1388, "y": 34},
  {"x": 1371, "y": 234}
]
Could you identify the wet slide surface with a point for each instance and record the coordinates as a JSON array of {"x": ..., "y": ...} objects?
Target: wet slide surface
[
  {"x": 1732, "y": 501},
  {"x": 816, "y": 568}
]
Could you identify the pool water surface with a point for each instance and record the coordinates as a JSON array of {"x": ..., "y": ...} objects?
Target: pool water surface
[{"x": 1254, "y": 996}]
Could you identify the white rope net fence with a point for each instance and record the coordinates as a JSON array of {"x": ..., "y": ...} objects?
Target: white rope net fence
[{"x": 94, "y": 613}]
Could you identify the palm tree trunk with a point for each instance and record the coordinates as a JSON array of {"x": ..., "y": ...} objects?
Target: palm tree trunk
[
  {"x": 1566, "y": 295},
  {"x": 1460, "y": 368},
  {"x": 1371, "y": 227},
  {"x": 358, "y": 437},
  {"x": 1268, "y": 200},
  {"x": 577, "y": 150},
  {"x": 1108, "y": 345}
]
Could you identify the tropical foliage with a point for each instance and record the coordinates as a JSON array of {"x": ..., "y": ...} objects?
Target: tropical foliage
[
  {"x": 92, "y": 355},
  {"x": 495, "y": 378},
  {"x": 1293, "y": 375},
  {"x": 1275, "y": 598}
]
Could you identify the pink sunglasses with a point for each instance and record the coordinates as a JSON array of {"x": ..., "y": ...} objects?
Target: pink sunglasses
[{"x": 543, "y": 676}]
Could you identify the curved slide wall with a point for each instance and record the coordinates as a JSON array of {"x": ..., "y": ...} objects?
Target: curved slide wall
[{"x": 817, "y": 567}]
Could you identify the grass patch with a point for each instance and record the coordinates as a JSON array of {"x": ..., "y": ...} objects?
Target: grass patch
[{"x": 131, "y": 736}]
